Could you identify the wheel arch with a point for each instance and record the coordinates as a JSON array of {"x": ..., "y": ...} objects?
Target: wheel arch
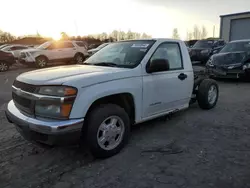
[
  {"x": 42, "y": 55},
  {"x": 79, "y": 53},
  {"x": 125, "y": 100}
]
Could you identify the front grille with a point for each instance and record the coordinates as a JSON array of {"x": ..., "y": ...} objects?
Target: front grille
[
  {"x": 25, "y": 87},
  {"x": 22, "y": 103}
]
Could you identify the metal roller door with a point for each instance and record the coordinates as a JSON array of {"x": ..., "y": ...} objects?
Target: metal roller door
[{"x": 240, "y": 29}]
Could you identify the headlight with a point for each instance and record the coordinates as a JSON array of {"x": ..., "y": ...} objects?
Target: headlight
[
  {"x": 58, "y": 111},
  {"x": 246, "y": 66},
  {"x": 54, "y": 108},
  {"x": 210, "y": 62},
  {"x": 59, "y": 91}
]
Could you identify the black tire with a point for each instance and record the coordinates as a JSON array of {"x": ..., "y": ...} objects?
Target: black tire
[
  {"x": 79, "y": 58},
  {"x": 41, "y": 62},
  {"x": 4, "y": 66},
  {"x": 203, "y": 94},
  {"x": 94, "y": 120}
]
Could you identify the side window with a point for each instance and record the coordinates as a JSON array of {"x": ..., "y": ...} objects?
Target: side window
[
  {"x": 171, "y": 52},
  {"x": 13, "y": 48},
  {"x": 68, "y": 45},
  {"x": 21, "y": 47},
  {"x": 81, "y": 44}
]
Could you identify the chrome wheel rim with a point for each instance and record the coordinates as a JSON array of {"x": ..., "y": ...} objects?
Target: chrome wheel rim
[
  {"x": 3, "y": 67},
  {"x": 41, "y": 63},
  {"x": 110, "y": 133},
  {"x": 79, "y": 59},
  {"x": 212, "y": 94}
]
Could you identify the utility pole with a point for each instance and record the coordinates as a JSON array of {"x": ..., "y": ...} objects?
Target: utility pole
[{"x": 213, "y": 31}]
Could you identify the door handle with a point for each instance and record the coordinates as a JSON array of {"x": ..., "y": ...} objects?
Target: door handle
[{"x": 182, "y": 76}]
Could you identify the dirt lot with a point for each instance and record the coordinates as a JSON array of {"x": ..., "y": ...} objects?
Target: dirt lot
[{"x": 194, "y": 149}]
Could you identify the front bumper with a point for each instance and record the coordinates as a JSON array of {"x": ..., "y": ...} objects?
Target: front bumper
[
  {"x": 51, "y": 132},
  {"x": 225, "y": 73},
  {"x": 26, "y": 61}
]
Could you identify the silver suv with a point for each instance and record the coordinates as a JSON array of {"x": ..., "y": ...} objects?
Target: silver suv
[{"x": 54, "y": 51}]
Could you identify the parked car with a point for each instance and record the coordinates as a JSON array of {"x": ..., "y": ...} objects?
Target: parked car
[
  {"x": 203, "y": 49},
  {"x": 15, "y": 49},
  {"x": 233, "y": 61},
  {"x": 93, "y": 51},
  {"x": 98, "y": 101},
  {"x": 190, "y": 43},
  {"x": 54, "y": 51},
  {"x": 6, "y": 60}
]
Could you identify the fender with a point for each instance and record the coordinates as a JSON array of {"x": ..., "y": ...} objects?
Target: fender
[{"x": 88, "y": 95}]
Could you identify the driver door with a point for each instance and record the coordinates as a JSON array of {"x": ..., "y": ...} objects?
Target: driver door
[
  {"x": 53, "y": 51},
  {"x": 167, "y": 90}
]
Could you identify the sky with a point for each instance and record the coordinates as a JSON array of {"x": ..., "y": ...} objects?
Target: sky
[{"x": 157, "y": 18}]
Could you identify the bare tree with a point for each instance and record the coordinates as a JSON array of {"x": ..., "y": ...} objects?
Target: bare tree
[
  {"x": 189, "y": 36},
  {"x": 196, "y": 33},
  {"x": 146, "y": 36},
  {"x": 175, "y": 34},
  {"x": 122, "y": 35},
  {"x": 115, "y": 35},
  {"x": 6, "y": 37},
  {"x": 103, "y": 36},
  {"x": 129, "y": 35},
  {"x": 203, "y": 32}
]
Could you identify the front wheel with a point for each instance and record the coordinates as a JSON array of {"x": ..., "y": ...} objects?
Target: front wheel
[
  {"x": 108, "y": 128},
  {"x": 4, "y": 66},
  {"x": 41, "y": 62},
  {"x": 208, "y": 94}
]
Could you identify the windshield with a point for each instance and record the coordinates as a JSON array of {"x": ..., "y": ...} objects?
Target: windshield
[
  {"x": 44, "y": 45},
  {"x": 204, "y": 44},
  {"x": 236, "y": 46},
  {"x": 5, "y": 48},
  {"x": 127, "y": 54},
  {"x": 2, "y": 46}
]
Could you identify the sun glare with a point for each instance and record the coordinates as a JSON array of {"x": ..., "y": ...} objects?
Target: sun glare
[{"x": 56, "y": 36}]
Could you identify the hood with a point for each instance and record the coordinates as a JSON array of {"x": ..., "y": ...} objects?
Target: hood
[
  {"x": 75, "y": 75},
  {"x": 229, "y": 58}
]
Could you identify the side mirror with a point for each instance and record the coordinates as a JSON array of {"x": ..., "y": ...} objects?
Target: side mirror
[{"x": 158, "y": 65}]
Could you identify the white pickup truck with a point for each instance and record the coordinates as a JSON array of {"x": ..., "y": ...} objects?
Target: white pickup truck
[{"x": 97, "y": 102}]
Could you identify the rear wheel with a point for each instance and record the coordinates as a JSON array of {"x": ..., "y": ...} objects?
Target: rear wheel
[
  {"x": 208, "y": 94},
  {"x": 108, "y": 130},
  {"x": 41, "y": 62},
  {"x": 4, "y": 66}
]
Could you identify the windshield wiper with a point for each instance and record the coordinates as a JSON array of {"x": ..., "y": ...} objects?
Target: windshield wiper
[{"x": 109, "y": 64}]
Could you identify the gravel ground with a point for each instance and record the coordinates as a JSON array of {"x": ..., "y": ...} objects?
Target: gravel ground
[{"x": 194, "y": 149}]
